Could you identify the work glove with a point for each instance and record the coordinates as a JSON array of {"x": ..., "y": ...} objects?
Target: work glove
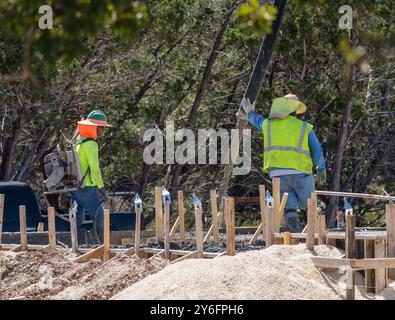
[
  {"x": 245, "y": 108},
  {"x": 103, "y": 195},
  {"x": 321, "y": 177}
]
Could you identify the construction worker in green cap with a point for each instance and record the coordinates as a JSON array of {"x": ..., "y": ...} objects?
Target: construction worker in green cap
[
  {"x": 91, "y": 195},
  {"x": 290, "y": 149}
]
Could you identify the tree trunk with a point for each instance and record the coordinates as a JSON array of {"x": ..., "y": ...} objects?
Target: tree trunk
[
  {"x": 341, "y": 144},
  {"x": 202, "y": 89},
  {"x": 255, "y": 83},
  {"x": 10, "y": 149}
]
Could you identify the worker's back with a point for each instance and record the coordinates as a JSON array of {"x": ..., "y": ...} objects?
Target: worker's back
[
  {"x": 286, "y": 144},
  {"x": 87, "y": 149}
]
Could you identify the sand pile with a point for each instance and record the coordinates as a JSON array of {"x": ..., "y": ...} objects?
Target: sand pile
[
  {"x": 54, "y": 275},
  {"x": 279, "y": 272}
]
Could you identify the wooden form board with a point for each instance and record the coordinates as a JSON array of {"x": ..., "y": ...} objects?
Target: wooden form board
[
  {"x": 191, "y": 255},
  {"x": 22, "y": 227},
  {"x": 368, "y": 263},
  {"x": 1, "y": 214},
  {"x": 229, "y": 209},
  {"x": 92, "y": 254},
  {"x": 390, "y": 217},
  {"x": 158, "y": 214},
  {"x": 51, "y": 228}
]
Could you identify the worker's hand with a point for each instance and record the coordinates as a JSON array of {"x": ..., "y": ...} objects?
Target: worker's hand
[
  {"x": 103, "y": 195},
  {"x": 321, "y": 177},
  {"x": 245, "y": 108}
]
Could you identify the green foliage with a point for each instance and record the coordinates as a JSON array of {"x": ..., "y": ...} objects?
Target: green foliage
[
  {"x": 73, "y": 21},
  {"x": 140, "y": 84},
  {"x": 256, "y": 18}
]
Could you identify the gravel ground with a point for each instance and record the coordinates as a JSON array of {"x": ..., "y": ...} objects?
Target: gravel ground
[{"x": 42, "y": 274}]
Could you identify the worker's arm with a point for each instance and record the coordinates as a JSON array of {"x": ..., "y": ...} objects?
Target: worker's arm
[
  {"x": 256, "y": 120},
  {"x": 93, "y": 160},
  {"x": 316, "y": 152}
]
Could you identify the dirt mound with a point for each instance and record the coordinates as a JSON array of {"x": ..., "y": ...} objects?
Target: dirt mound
[
  {"x": 279, "y": 272},
  {"x": 54, "y": 275}
]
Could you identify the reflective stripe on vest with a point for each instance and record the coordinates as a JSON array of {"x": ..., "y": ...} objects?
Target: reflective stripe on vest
[{"x": 300, "y": 143}]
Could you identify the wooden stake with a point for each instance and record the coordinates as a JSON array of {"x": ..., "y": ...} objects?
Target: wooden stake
[
  {"x": 321, "y": 229},
  {"x": 199, "y": 232},
  {"x": 174, "y": 227},
  {"x": 158, "y": 214},
  {"x": 1, "y": 215},
  {"x": 369, "y": 273},
  {"x": 390, "y": 217},
  {"x": 340, "y": 219},
  {"x": 73, "y": 232},
  {"x": 229, "y": 209},
  {"x": 380, "y": 274},
  {"x": 181, "y": 214},
  {"x": 137, "y": 231},
  {"x": 310, "y": 240},
  {"x": 106, "y": 233},
  {"x": 166, "y": 227},
  {"x": 287, "y": 238},
  {"x": 277, "y": 204},
  {"x": 214, "y": 214},
  {"x": 350, "y": 254},
  {"x": 269, "y": 227},
  {"x": 262, "y": 202},
  {"x": 282, "y": 206},
  {"x": 210, "y": 230},
  {"x": 262, "y": 226},
  {"x": 40, "y": 227},
  {"x": 51, "y": 228},
  {"x": 22, "y": 227}
]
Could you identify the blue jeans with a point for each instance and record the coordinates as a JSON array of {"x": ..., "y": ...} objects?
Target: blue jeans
[
  {"x": 299, "y": 188},
  {"x": 88, "y": 201}
]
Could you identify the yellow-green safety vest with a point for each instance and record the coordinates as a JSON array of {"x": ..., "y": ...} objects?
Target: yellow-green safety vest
[{"x": 286, "y": 144}]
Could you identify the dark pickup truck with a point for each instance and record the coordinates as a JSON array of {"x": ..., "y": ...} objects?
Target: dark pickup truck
[{"x": 17, "y": 194}]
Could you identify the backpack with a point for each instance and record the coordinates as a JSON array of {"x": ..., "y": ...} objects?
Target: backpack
[{"x": 63, "y": 171}]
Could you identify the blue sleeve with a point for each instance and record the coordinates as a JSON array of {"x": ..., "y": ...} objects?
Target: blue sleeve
[
  {"x": 316, "y": 152},
  {"x": 256, "y": 120}
]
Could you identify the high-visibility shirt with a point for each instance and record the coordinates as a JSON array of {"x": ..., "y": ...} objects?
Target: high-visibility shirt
[
  {"x": 286, "y": 144},
  {"x": 88, "y": 154}
]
